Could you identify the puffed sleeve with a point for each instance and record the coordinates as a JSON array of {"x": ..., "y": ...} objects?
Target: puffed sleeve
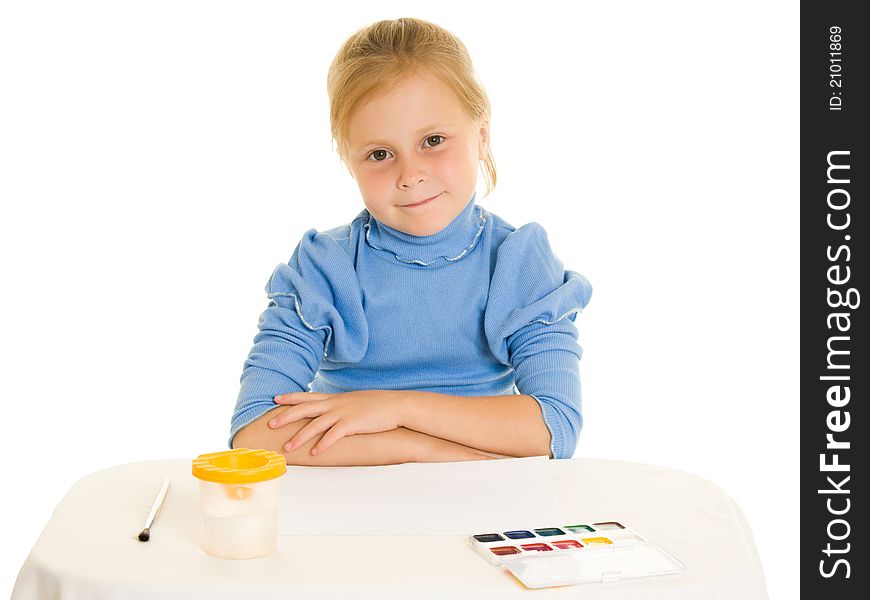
[
  {"x": 529, "y": 325},
  {"x": 315, "y": 310}
]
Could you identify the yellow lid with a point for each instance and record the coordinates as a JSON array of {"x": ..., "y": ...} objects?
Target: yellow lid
[{"x": 240, "y": 465}]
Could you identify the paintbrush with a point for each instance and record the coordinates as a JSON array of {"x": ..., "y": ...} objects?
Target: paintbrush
[{"x": 145, "y": 534}]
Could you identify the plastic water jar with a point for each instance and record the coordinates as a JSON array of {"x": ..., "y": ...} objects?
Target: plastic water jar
[{"x": 238, "y": 493}]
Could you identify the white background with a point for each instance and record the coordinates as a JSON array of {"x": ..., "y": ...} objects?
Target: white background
[{"x": 159, "y": 159}]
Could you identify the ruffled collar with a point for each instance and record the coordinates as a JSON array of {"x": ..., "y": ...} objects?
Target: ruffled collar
[{"x": 451, "y": 244}]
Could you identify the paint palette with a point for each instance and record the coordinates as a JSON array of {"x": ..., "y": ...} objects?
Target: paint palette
[{"x": 571, "y": 554}]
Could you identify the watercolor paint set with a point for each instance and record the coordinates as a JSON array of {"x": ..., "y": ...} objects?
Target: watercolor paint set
[{"x": 569, "y": 554}]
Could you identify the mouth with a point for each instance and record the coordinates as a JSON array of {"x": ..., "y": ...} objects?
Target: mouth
[{"x": 421, "y": 202}]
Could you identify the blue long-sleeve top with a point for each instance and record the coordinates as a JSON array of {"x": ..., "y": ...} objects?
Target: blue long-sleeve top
[{"x": 478, "y": 309}]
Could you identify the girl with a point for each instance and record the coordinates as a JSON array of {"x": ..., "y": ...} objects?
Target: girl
[{"x": 427, "y": 323}]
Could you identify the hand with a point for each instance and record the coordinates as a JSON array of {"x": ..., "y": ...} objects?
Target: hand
[{"x": 339, "y": 415}]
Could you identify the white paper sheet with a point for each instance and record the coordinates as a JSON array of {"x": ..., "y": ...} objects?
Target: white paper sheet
[{"x": 457, "y": 498}]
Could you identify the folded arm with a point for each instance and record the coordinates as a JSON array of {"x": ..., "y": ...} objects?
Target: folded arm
[
  {"x": 501, "y": 426},
  {"x": 505, "y": 425},
  {"x": 383, "y": 448},
  {"x": 543, "y": 420}
]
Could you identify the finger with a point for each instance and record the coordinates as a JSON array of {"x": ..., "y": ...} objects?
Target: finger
[
  {"x": 291, "y": 415},
  {"x": 299, "y": 397},
  {"x": 318, "y": 425},
  {"x": 328, "y": 439}
]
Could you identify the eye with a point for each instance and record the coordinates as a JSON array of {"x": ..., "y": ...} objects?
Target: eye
[
  {"x": 379, "y": 152},
  {"x": 380, "y": 155}
]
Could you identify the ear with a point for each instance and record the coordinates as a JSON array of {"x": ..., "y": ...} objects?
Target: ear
[{"x": 483, "y": 141}]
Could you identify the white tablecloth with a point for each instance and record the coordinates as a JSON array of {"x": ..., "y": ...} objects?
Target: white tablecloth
[{"x": 89, "y": 548}]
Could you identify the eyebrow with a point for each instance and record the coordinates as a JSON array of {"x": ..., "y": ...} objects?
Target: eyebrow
[{"x": 418, "y": 132}]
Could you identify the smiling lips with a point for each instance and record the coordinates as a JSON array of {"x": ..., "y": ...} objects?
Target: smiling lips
[{"x": 421, "y": 203}]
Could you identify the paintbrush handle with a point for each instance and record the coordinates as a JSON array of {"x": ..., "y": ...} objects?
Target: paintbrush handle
[{"x": 157, "y": 504}]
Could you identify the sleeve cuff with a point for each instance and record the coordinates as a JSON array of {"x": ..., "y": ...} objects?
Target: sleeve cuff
[
  {"x": 253, "y": 412},
  {"x": 563, "y": 435}
]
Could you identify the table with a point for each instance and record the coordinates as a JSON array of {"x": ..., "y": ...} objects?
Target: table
[{"x": 89, "y": 548}]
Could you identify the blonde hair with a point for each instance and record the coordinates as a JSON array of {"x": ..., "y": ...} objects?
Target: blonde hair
[{"x": 377, "y": 57}]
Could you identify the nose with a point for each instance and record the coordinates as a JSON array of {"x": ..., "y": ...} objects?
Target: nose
[{"x": 410, "y": 174}]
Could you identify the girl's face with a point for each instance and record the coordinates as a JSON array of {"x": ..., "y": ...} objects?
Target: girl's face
[{"x": 414, "y": 153}]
